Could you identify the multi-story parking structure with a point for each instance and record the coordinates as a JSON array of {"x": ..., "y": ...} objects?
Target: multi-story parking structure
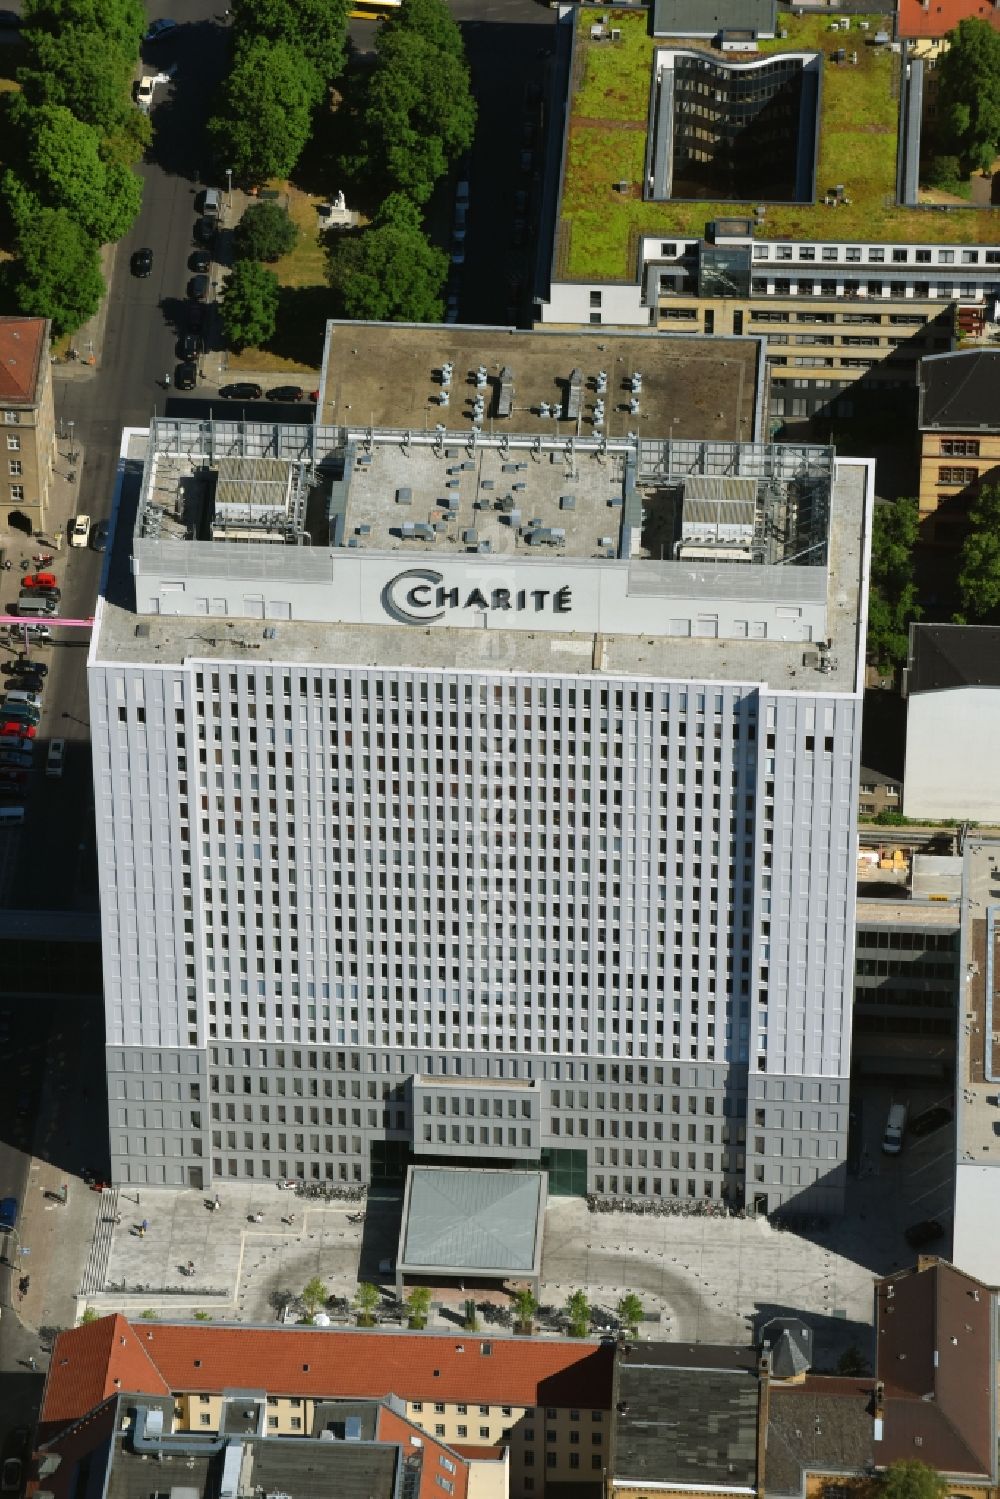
[
  {"x": 825, "y": 245},
  {"x": 512, "y": 818}
]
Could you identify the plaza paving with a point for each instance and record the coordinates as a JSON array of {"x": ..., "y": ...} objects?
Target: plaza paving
[{"x": 700, "y": 1279}]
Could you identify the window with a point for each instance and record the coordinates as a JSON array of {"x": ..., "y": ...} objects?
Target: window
[
  {"x": 439, "y": 1429},
  {"x": 595, "y": 298},
  {"x": 16, "y": 493},
  {"x": 205, "y": 1418},
  {"x": 923, "y": 257},
  {"x": 463, "y": 1431},
  {"x": 668, "y": 249},
  {"x": 484, "y": 1432},
  {"x": 14, "y": 465},
  {"x": 418, "y": 1405},
  {"x": 13, "y": 444},
  {"x": 595, "y": 318},
  {"x": 439, "y": 1407},
  {"x": 484, "y": 1410},
  {"x": 954, "y": 447},
  {"x": 550, "y": 1459},
  {"x": 12, "y": 418},
  {"x": 957, "y": 475},
  {"x": 946, "y": 257}
]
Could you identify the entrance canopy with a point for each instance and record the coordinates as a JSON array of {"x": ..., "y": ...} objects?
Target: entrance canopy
[{"x": 471, "y": 1225}]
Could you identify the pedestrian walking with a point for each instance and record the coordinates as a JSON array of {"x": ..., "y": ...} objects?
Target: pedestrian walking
[
  {"x": 218, "y": 1202},
  {"x": 145, "y": 1224},
  {"x": 258, "y": 1217},
  {"x": 190, "y": 1267},
  {"x": 32, "y": 1365},
  {"x": 166, "y": 382}
]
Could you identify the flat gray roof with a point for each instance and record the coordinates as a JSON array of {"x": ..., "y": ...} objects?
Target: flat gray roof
[
  {"x": 388, "y": 375},
  {"x": 472, "y": 1222}
]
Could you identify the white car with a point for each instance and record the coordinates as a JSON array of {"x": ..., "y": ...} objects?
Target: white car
[
  {"x": 54, "y": 758},
  {"x": 79, "y": 531}
]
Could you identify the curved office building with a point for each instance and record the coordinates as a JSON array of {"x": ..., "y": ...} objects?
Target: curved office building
[{"x": 736, "y": 131}]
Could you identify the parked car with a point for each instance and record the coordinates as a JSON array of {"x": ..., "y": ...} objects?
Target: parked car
[
  {"x": 188, "y": 346},
  {"x": 21, "y": 715},
  {"x": 243, "y": 390},
  {"x": 186, "y": 375},
  {"x": 16, "y": 759},
  {"x": 55, "y": 757},
  {"x": 11, "y": 777},
  {"x": 21, "y": 698},
  {"x": 10, "y": 1481},
  {"x": 14, "y": 740},
  {"x": 141, "y": 263},
  {"x": 25, "y": 663},
  {"x": 204, "y": 231},
  {"x": 8, "y": 1213},
  {"x": 17, "y": 727},
  {"x": 35, "y": 592},
  {"x": 26, "y": 682},
  {"x": 40, "y": 580},
  {"x": 198, "y": 288},
  {"x": 79, "y": 530},
  {"x": 924, "y": 1232},
  {"x": 99, "y": 535},
  {"x": 159, "y": 29},
  {"x": 199, "y": 261},
  {"x": 285, "y": 393},
  {"x": 37, "y": 634}
]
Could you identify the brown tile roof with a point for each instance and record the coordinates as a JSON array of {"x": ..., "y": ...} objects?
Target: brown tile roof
[
  {"x": 92, "y": 1362},
  {"x": 819, "y": 1426},
  {"x": 936, "y": 1360},
  {"x": 323, "y": 1362},
  {"x": 940, "y": 16},
  {"x": 22, "y": 343}
]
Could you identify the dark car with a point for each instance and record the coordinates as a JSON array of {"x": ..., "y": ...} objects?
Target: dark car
[
  {"x": 286, "y": 393},
  {"x": 99, "y": 534},
  {"x": 198, "y": 288},
  {"x": 38, "y": 668},
  {"x": 26, "y": 682},
  {"x": 204, "y": 231},
  {"x": 243, "y": 390},
  {"x": 924, "y": 1232},
  {"x": 930, "y": 1120},
  {"x": 159, "y": 29},
  {"x": 141, "y": 263},
  {"x": 186, "y": 375},
  {"x": 188, "y": 346},
  {"x": 199, "y": 261}
]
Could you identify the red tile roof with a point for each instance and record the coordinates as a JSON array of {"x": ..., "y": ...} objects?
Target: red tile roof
[
  {"x": 92, "y": 1362},
  {"x": 437, "y": 1460},
  {"x": 22, "y": 343},
  {"x": 939, "y": 16},
  {"x": 322, "y": 1362}
]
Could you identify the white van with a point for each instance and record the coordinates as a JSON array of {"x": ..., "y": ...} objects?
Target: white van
[
  {"x": 895, "y": 1124},
  {"x": 211, "y": 204},
  {"x": 11, "y": 816}
]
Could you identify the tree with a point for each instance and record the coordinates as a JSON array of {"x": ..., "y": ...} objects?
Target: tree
[
  {"x": 58, "y": 271},
  {"x": 89, "y": 1315},
  {"x": 630, "y": 1311},
  {"x": 419, "y": 1304},
  {"x": 578, "y": 1311},
  {"x": 59, "y": 160},
  {"x": 366, "y": 1299},
  {"x": 419, "y": 112},
  {"x": 892, "y": 597},
  {"x": 265, "y": 232},
  {"x": 121, "y": 22},
  {"x": 389, "y": 273},
  {"x": 525, "y": 1307},
  {"x": 968, "y": 92},
  {"x": 316, "y": 29},
  {"x": 314, "y": 1294},
  {"x": 430, "y": 19},
  {"x": 84, "y": 72},
  {"x": 266, "y": 113},
  {"x": 249, "y": 305},
  {"x": 911, "y": 1479},
  {"x": 943, "y": 172},
  {"x": 979, "y": 564}
]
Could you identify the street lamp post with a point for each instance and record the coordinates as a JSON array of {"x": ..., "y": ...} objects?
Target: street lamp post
[
  {"x": 72, "y": 454},
  {"x": 229, "y": 187}
]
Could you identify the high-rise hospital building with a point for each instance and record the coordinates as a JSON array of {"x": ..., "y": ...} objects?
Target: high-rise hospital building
[{"x": 482, "y": 788}]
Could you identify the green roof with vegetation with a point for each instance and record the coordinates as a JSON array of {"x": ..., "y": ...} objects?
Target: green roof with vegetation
[{"x": 599, "y": 227}]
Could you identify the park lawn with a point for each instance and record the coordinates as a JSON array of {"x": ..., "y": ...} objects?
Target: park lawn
[
  {"x": 599, "y": 226},
  {"x": 297, "y": 346}
]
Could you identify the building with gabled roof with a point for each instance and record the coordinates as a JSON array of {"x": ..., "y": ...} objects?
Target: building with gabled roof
[{"x": 28, "y": 419}]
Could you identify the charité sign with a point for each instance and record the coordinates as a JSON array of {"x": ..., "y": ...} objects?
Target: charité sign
[{"x": 419, "y": 596}]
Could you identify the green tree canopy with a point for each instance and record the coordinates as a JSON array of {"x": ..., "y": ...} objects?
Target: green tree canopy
[
  {"x": 418, "y": 1304},
  {"x": 525, "y": 1305},
  {"x": 389, "y": 273},
  {"x": 419, "y": 113},
  {"x": 968, "y": 92},
  {"x": 578, "y": 1311},
  {"x": 892, "y": 596},
  {"x": 366, "y": 1299},
  {"x": 316, "y": 29},
  {"x": 82, "y": 70},
  {"x": 314, "y": 1294},
  {"x": 911, "y": 1479},
  {"x": 630, "y": 1311},
  {"x": 122, "y": 22},
  {"x": 432, "y": 20},
  {"x": 58, "y": 271},
  {"x": 266, "y": 113},
  {"x": 265, "y": 232},
  {"x": 249, "y": 305},
  {"x": 59, "y": 161},
  {"x": 979, "y": 564}
]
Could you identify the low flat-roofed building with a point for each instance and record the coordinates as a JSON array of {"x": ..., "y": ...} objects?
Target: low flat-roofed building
[
  {"x": 543, "y": 381},
  {"x": 952, "y": 688},
  {"x": 958, "y": 417},
  {"x": 27, "y": 419},
  {"x": 471, "y": 1225}
]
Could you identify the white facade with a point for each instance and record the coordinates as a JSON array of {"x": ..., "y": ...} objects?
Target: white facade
[
  {"x": 951, "y": 755},
  {"x": 356, "y": 911}
]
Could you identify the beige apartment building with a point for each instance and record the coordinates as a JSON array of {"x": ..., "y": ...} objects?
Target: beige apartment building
[
  {"x": 28, "y": 420},
  {"x": 959, "y": 422}
]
